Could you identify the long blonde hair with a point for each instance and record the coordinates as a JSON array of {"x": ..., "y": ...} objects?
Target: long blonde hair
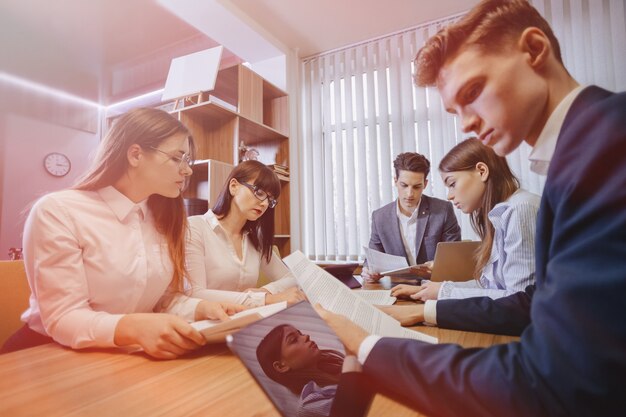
[
  {"x": 500, "y": 185},
  {"x": 147, "y": 128}
]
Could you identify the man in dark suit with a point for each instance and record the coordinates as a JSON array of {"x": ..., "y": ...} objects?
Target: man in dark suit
[
  {"x": 499, "y": 68},
  {"x": 412, "y": 225}
]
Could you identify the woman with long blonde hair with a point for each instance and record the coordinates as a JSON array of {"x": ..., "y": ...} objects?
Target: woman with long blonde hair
[
  {"x": 481, "y": 184},
  {"x": 106, "y": 255}
]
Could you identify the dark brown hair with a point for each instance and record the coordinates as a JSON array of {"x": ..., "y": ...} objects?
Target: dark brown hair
[
  {"x": 491, "y": 25},
  {"x": 500, "y": 185},
  {"x": 326, "y": 371},
  {"x": 411, "y": 161},
  {"x": 147, "y": 128},
  {"x": 261, "y": 231}
]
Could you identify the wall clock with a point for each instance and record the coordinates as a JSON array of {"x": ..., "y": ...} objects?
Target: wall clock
[{"x": 57, "y": 164}]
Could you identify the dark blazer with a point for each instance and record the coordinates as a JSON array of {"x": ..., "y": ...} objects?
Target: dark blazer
[
  {"x": 353, "y": 396},
  {"x": 507, "y": 315},
  {"x": 571, "y": 359},
  {"x": 436, "y": 223}
]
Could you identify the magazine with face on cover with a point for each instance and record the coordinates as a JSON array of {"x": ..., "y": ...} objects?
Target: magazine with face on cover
[{"x": 295, "y": 357}]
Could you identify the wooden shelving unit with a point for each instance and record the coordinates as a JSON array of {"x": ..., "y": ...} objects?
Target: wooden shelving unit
[{"x": 246, "y": 108}]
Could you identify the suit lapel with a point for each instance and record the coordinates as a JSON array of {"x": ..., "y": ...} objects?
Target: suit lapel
[
  {"x": 422, "y": 221},
  {"x": 394, "y": 231}
]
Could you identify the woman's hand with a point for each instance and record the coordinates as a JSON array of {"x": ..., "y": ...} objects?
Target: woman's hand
[
  {"x": 428, "y": 291},
  {"x": 217, "y": 310},
  {"x": 163, "y": 336},
  {"x": 292, "y": 295},
  {"x": 407, "y": 315},
  {"x": 404, "y": 290},
  {"x": 370, "y": 276}
]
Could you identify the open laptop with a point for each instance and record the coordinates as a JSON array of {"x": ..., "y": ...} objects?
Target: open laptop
[{"x": 454, "y": 261}]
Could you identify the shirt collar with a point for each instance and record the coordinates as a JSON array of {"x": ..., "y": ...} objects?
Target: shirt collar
[
  {"x": 214, "y": 222},
  {"x": 121, "y": 205},
  {"x": 542, "y": 152},
  {"x": 413, "y": 215}
]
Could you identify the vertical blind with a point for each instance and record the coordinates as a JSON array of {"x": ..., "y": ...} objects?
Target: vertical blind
[{"x": 360, "y": 109}]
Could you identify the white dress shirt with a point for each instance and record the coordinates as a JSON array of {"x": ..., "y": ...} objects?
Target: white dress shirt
[
  {"x": 511, "y": 266},
  {"x": 91, "y": 257},
  {"x": 540, "y": 158},
  {"x": 217, "y": 274},
  {"x": 542, "y": 152},
  {"x": 408, "y": 231}
]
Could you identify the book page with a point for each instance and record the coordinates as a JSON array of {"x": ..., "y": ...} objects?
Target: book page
[{"x": 321, "y": 287}]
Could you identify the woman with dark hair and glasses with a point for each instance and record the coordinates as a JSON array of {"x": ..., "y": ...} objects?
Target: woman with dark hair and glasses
[
  {"x": 231, "y": 244},
  {"x": 105, "y": 256}
]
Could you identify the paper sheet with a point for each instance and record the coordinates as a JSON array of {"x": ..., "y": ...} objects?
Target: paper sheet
[
  {"x": 321, "y": 287},
  {"x": 383, "y": 262},
  {"x": 376, "y": 297},
  {"x": 263, "y": 311}
]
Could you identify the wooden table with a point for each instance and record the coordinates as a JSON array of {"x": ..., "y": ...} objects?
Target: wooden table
[{"x": 51, "y": 380}]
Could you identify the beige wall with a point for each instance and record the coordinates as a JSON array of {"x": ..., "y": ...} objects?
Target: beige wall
[{"x": 24, "y": 142}]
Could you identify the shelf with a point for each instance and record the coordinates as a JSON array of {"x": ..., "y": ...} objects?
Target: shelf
[
  {"x": 200, "y": 167},
  {"x": 208, "y": 110},
  {"x": 242, "y": 108},
  {"x": 270, "y": 91},
  {"x": 253, "y": 132}
]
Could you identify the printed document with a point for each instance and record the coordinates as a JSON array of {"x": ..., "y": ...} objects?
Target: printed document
[
  {"x": 384, "y": 263},
  {"x": 321, "y": 287}
]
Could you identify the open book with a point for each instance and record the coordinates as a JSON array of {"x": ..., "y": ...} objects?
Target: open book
[
  {"x": 215, "y": 331},
  {"x": 321, "y": 287}
]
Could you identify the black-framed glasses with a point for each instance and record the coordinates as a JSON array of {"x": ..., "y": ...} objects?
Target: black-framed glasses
[
  {"x": 184, "y": 158},
  {"x": 260, "y": 194}
]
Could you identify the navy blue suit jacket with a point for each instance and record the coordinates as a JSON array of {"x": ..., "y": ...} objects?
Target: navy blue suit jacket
[
  {"x": 436, "y": 223},
  {"x": 571, "y": 359}
]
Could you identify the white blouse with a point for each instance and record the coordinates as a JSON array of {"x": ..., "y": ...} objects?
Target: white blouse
[
  {"x": 511, "y": 266},
  {"x": 217, "y": 274},
  {"x": 91, "y": 257}
]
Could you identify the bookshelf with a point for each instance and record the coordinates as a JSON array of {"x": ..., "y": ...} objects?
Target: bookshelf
[{"x": 246, "y": 108}]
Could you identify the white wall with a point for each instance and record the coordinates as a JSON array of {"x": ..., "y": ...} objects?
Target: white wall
[{"x": 25, "y": 142}]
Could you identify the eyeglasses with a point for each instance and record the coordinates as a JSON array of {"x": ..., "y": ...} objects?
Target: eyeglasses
[
  {"x": 184, "y": 158},
  {"x": 260, "y": 194}
]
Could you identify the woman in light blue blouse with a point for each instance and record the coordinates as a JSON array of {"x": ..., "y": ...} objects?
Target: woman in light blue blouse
[{"x": 481, "y": 184}]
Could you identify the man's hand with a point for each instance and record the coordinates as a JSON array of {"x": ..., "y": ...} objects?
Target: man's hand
[
  {"x": 424, "y": 270},
  {"x": 370, "y": 276},
  {"x": 407, "y": 315},
  {"x": 349, "y": 333}
]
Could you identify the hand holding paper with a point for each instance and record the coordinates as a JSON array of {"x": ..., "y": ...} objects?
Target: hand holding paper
[{"x": 349, "y": 333}]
